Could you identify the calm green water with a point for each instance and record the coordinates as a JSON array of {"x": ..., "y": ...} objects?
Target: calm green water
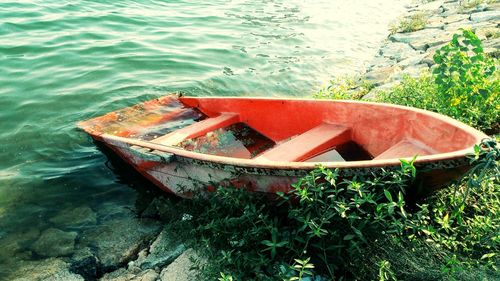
[{"x": 65, "y": 61}]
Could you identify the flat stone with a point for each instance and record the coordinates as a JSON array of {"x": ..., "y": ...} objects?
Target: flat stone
[
  {"x": 118, "y": 241},
  {"x": 431, "y": 6},
  {"x": 485, "y": 16},
  {"x": 422, "y": 39},
  {"x": 180, "y": 269},
  {"x": 49, "y": 269},
  {"x": 382, "y": 74},
  {"x": 380, "y": 61},
  {"x": 456, "y": 26},
  {"x": 414, "y": 60},
  {"x": 397, "y": 51},
  {"x": 75, "y": 217},
  {"x": 165, "y": 249},
  {"x": 130, "y": 275},
  {"x": 492, "y": 47},
  {"x": 54, "y": 242}
]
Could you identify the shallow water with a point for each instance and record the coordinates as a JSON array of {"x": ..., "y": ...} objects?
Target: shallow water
[{"x": 65, "y": 61}]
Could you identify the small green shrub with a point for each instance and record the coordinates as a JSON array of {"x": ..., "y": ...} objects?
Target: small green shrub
[
  {"x": 414, "y": 22},
  {"x": 464, "y": 85}
]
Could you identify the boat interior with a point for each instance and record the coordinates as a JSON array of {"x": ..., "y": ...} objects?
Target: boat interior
[{"x": 285, "y": 130}]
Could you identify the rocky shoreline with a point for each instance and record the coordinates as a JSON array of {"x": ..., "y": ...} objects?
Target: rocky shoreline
[
  {"x": 120, "y": 244},
  {"x": 411, "y": 53}
]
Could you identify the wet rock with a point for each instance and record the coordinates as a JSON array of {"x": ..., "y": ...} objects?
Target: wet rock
[
  {"x": 380, "y": 75},
  {"x": 12, "y": 243},
  {"x": 180, "y": 269},
  {"x": 397, "y": 51},
  {"x": 54, "y": 242},
  {"x": 165, "y": 249},
  {"x": 50, "y": 269},
  {"x": 118, "y": 241},
  {"x": 110, "y": 211},
  {"x": 75, "y": 217},
  {"x": 85, "y": 263},
  {"x": 485, "y": 16},
  {"x": 133, "y": 274}
]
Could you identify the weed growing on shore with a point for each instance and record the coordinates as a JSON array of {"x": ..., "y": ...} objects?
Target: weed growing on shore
[{"x": 414, "y": 22}]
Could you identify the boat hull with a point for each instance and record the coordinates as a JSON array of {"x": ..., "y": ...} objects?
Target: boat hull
[{"x": 185, "y": 177}]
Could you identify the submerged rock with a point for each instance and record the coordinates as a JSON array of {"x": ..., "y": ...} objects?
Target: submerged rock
[
  {"x": 75, "y": 217},
  {"x": 133, "y": 274},
  {"x": 119, "y": 241},
  {"x": 48, "y": 269},
  {"x": 54, "y": 242}
]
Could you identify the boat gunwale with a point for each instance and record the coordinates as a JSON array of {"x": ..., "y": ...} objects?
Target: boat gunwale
[{"x": 268, "y": 164}]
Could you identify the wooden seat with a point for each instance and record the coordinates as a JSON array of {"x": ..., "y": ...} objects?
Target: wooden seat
[
  {"x": 405, "y": 148},
  {"x": 310, "y": 143},
  {"x": 198, "y": 129}
]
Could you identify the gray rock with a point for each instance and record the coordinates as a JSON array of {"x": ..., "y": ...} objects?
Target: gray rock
[
  {"x": 492, "y": 47},
  {"x": 380, "y": 61},
  {"x": 73, "y": 217},
  {"x": 133, "y": 274},
  {"x": 397, "y": 51},
  {"x": 165, "y": 249},
  {"x": 54, "y": 242},
  {"x": 456, "y": 26},
  {"x": 14, "y": 242},
  {"x": 85, "y": 263},
  {"x": 180, "y": 269},
  {"x": 431, "y": 6},
  {"x": 485, "y": 16},
  {"x": 118, "y": 241},
  {"x": 380, "y": 75},
  {"x": 373, "y": 94},
  {"x": 439, "y": 21},
  {"x": 413, "y": 60},
  {"x": 44, "y": 270},
  {"x": 422, "y": 39}
]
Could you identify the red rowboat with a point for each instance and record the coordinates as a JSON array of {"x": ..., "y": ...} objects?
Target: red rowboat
[{"x": 184, "y": 144}]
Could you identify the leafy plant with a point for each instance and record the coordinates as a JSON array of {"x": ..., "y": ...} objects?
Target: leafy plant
[
  {"x": 467, "y": 81},
  {"x": 464, "y": 85}
]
